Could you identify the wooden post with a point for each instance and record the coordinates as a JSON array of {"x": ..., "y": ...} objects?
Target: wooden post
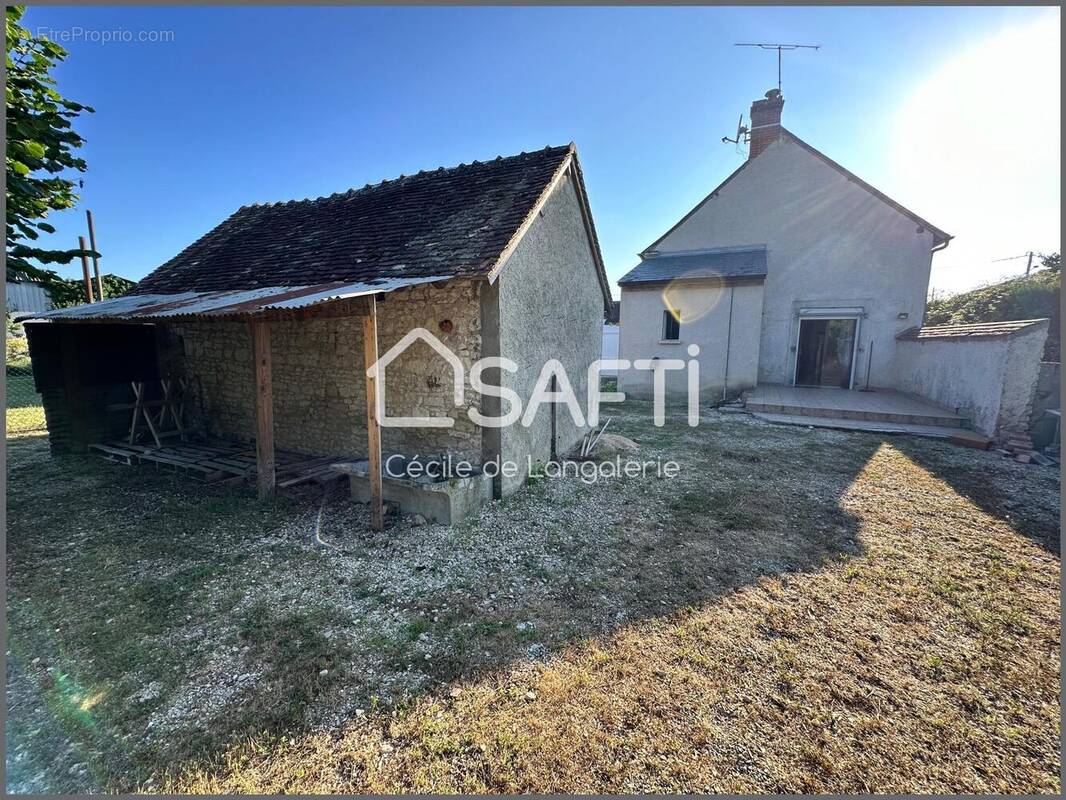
[
  {"x": 96, "y": 262},
  {"x": 373, "y": 430},
  {"x": 73, "y": 389},
  {"x": 264, "y": 411},
  {"x": 85, "y": 270}
]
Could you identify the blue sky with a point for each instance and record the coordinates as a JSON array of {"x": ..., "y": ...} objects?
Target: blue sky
[{"x": 252, "y": 105}]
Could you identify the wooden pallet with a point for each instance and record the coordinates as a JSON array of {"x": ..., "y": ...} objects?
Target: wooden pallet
[{"x": 228, "y": 462}]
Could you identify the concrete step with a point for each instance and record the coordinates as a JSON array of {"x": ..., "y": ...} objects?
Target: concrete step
[
  {"x": 945, "y": 421},
  {"x": 957, "y": 435}
]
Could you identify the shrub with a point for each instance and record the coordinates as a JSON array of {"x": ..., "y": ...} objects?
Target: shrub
[{"x": 1034, "y": 296}]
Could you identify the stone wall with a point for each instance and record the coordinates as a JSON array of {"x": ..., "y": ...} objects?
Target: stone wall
[
  {"x": 546, "y": 303},
  {"x": 319, "y": 379},
  {"x": 419, "y": 382},
  {"x": 1020, "y": 377},
  {"x": 992, "y": 381},
  {"x": 1042, "y": 425}
]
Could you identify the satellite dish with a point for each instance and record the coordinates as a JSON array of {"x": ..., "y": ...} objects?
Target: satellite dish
[{"x": 741, "y": 132}]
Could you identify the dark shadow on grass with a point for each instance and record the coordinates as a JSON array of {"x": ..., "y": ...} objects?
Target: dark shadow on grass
[{"x": 581, "y": 562}]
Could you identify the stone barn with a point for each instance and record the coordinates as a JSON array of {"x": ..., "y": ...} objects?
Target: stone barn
[{"x": 264, "y": 330}]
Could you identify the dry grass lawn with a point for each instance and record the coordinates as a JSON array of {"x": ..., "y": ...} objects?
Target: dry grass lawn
[{"x": 802, "y": 611}]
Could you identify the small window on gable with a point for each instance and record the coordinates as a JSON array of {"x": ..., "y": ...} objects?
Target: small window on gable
[{"x": 671, "y": 326}]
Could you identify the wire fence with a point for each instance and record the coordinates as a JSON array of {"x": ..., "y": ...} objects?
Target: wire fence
[{"x": 25, "y": 414}]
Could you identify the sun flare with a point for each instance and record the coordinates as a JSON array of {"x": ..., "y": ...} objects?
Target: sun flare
[{"x": 977, "y": 150}]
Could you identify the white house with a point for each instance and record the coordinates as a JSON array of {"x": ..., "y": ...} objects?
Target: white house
[
  {"x": 609, "y": 348},
  {"x": 796, "y": 279},
  {"x": 793, "y": 271}
]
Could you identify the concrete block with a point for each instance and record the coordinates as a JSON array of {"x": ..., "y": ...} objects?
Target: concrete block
[{"x": 445, "y": 502}]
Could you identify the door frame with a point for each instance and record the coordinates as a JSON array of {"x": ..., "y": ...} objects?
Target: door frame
[{"x": 844, "y": 313}]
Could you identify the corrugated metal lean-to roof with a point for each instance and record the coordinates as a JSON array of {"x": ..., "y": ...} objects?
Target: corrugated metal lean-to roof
[{"x": 225, "y": 303}]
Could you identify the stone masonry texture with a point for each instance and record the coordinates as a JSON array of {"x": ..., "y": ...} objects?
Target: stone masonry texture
[
  {"x": 546, "y": 304},
  {"x": 319, "y": 378}
]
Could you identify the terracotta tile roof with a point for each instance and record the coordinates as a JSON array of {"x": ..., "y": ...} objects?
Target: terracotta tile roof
[
  {"x": 980, "y": 330},
  {"x": 444, "y": 223}
]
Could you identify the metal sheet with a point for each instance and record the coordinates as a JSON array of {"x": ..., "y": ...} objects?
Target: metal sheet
[{"x": 227, "y": 303}]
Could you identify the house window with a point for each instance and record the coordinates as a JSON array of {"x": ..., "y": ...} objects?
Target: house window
[{"x": 671, "y": 326}]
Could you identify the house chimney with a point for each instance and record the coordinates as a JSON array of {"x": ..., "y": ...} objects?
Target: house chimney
[{"x": 765, "y": 122}]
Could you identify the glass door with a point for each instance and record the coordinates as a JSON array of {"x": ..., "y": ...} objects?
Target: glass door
[{"x": 825, "y": 351}]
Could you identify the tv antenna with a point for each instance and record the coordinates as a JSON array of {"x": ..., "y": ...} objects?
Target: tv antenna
[{"x": 778, "y": 48}]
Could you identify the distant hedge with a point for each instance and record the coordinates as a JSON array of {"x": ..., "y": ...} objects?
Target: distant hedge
[
  {"x": 1031, "y": 297},
  {"x": 72, "y": 292}
]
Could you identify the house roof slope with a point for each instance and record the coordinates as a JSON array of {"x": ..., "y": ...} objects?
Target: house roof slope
[
  {"x": 729, "y": 264},
  {"x": 445, "y": 223}
]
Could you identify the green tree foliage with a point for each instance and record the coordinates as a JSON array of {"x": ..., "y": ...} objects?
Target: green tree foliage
[
  {"x": 41, "y": 145},
  {"x": 1034, "y": 296},
  {"x": 71, "y": 292}
]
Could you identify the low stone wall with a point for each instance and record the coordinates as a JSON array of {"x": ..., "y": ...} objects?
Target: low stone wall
[
  {"x": 1042, "y": 425},
  {"x": 319, "y": 379},
  {"x": 992, "y": 381}
]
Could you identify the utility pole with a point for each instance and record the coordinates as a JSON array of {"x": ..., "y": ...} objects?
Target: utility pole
[
  {"x": 1028, "y": 264},
  {"x": 96, "y": 264},
  {"x": 85, "y": 270}
]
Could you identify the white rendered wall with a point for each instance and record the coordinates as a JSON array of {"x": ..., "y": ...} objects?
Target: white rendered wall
[
  {"x": 609, "y": 348},
  {"x": 705, "y": 322},
  {"x": 550, "y": 306},
  {"x": 830, "y": 243},
  {"x": 991, "y": 381}
]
